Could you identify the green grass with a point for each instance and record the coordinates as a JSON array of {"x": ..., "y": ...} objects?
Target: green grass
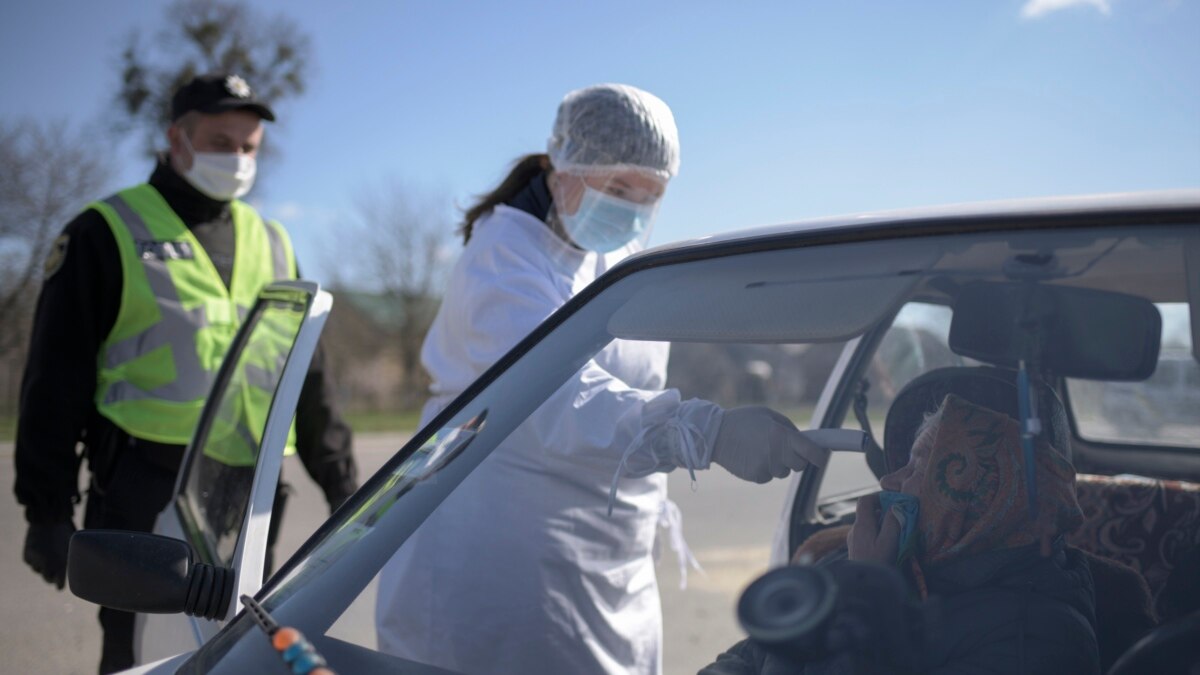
[
  {"x": 380, "y": 421},
  {"x": 8, "y": 428}
]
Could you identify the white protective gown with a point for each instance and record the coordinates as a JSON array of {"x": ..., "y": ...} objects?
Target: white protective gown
[{"x": 522, "y": 570}]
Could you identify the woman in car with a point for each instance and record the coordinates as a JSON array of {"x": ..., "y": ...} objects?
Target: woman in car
[
  {"x": 541, "y": 562},
  {"x": 1012, "y": 598}
]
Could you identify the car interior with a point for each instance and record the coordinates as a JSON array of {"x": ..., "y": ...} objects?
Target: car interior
[{"x": 1141, "y": 501}]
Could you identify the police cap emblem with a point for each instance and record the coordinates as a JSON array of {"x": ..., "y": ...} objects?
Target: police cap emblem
[{"x": 236, "y": 86}]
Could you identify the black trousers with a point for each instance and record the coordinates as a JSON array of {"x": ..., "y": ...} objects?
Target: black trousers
[{"x": 137, "y": 487}]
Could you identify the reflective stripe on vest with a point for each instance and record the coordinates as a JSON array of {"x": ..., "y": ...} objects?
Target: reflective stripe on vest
[
  {"x": 176, "y": 328},
  {"x": 177, "y": 318}
]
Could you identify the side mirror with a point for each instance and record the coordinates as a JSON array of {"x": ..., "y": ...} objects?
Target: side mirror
[{"x": 148, "y": 573}]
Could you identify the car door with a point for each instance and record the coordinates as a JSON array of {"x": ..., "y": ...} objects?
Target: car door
[{"x": 227, "y": 481}]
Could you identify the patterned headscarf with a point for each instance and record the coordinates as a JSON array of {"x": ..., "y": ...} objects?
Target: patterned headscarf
[{"x": 973, "y": 496}]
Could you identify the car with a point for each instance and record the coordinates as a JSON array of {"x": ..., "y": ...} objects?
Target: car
[{"x": 1085, "y": 299}]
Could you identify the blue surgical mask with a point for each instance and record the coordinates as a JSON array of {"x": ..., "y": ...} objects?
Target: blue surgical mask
[
  {"x": 907, "y": 508},
  {"x": 605, "y": 223}
]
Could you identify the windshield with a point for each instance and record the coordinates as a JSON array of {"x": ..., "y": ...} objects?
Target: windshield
[{"x": 755, "y": 327}]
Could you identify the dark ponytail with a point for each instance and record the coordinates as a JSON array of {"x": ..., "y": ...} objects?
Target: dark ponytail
[{"x": 524, "y": 170}]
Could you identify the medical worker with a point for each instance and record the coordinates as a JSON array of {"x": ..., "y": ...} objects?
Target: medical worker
[{"x": 541, "y": 561}]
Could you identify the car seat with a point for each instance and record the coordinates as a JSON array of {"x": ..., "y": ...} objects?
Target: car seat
[
  {"x": 1125, "y": 612},
  {"x": 1146, "y": 523}
]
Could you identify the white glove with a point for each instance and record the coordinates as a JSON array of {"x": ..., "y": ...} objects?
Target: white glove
[{"x": 757, "y": 444}]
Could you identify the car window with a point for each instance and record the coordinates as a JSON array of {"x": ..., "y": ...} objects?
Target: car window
[
  {"x": 785, "y": 300},
  {"x": 217, "y": 480},
  {"x": 727, "y": 523},
  {"x": 1163, "y": 410},
  {"x": 917, "y": 342}
]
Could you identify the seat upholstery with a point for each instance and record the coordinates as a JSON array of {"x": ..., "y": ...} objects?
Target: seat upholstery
[{"x": 1146, "y": 523}]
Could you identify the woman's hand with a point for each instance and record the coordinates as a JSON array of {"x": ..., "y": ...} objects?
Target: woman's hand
[{"x": 867, "y": 540}]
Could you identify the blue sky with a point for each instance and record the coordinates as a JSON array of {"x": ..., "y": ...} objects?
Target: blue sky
[{"x": 786, "y": 110}]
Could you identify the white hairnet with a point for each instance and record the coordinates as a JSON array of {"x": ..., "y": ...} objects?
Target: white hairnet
[{"x": 614, "y": 125}]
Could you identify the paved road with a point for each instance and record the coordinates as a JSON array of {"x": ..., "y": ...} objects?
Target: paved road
[{"x": 727, "y": 523}]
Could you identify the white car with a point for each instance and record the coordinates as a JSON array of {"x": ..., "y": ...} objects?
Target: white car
[{"x": 893, "y": 310}]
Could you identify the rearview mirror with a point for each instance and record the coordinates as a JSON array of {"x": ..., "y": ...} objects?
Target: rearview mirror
[
  {"x": 148, "y": 573},
  {"x": 1071, "y": 332}
]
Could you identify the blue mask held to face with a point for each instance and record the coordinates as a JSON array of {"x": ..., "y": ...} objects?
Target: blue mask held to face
[
  {"x": 907, "y": 507},
  {"x": 604, "y": 223}
]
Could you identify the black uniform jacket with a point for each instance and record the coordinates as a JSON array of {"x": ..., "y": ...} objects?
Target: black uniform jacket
[{"x": 75, "y": 313}]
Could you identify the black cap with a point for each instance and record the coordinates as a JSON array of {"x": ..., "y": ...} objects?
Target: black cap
[{"x": 216, "y": 93}]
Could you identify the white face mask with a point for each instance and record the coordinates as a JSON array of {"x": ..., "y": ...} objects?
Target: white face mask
[
  {"x": 604, "y": 223},
  {"x": 220, "y": 175}
]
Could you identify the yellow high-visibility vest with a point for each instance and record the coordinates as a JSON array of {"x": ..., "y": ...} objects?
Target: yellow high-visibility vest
[{"x": 177, "y": 320}]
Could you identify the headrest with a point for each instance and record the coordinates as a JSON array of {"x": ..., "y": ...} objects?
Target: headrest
[{"x": 992, "y": 388}]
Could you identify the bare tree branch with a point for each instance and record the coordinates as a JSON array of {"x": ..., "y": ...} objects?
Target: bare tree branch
[
  {"x": 399, "y": 244},
  {"x": 199, "y": 36},
  {"x": 47, "y": 174}
]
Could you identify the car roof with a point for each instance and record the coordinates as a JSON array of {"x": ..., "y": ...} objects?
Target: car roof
[{"x": 1162, "y": 200}]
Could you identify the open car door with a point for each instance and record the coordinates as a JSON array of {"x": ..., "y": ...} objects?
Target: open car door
[{"x": 226, "y": 485}]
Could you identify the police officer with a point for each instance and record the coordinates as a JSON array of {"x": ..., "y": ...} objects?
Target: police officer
[{"x": 142, "y": 294}]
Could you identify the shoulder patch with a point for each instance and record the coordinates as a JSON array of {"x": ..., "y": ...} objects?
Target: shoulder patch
[{"x": 58, "y": 253}]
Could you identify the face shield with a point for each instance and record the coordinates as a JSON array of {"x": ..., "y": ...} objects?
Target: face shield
[
  {"x": 605, "y": 208},
  {"x": 613, "y": 149}
]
